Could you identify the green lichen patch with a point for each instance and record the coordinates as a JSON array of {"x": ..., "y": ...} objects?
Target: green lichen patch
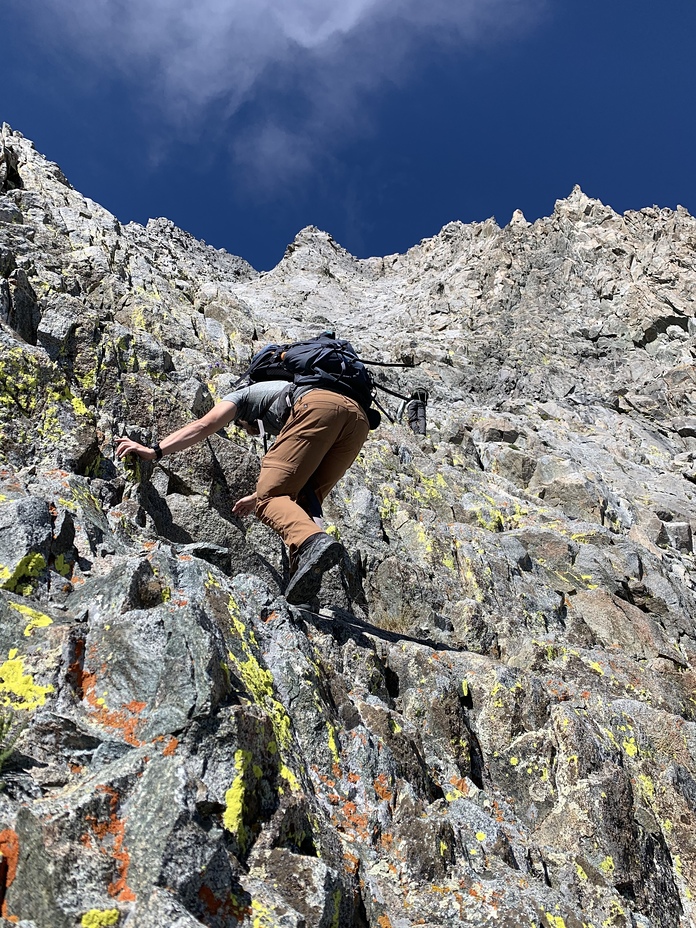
[
  {"x": 63, "y": 566},
  {"x": 21, "y": 579}
]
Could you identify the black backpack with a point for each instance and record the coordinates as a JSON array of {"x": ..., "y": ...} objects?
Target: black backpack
[{"x": 324, "y": 361}]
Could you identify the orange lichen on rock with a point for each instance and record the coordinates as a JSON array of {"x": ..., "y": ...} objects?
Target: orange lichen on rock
[
  {"x": 76, "y": 668},
  {"x": 171, "y": 747},
  {"x": 112, "y": 832},
  {"x": 135, "y": 706},
  {"x": 230, "y": 907},
  {"x": 9, "y": 848},
  {"x": 125, "y": 719},
  {"x": 381, "y": 787},
  {"x": 60, "y": 475},
  {"x": 209, "y": 900},
  {"x": 354, "y": 820},
  {"x": 498, "y": 813},
  {"x": 384, "y": 921},
  {"x": 459, "y": 783}
]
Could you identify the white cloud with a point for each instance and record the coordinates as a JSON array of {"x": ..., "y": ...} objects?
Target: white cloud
[{"x": 185, "y": 56}]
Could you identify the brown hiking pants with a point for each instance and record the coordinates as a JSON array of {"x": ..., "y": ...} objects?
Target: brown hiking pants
[{"x": 317, "y": 445}]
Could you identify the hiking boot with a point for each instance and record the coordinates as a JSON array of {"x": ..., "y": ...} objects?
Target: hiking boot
[{"x": 314, "y": 557}]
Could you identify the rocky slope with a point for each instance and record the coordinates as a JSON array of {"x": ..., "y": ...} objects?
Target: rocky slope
[{"x": 491, "y": 719}]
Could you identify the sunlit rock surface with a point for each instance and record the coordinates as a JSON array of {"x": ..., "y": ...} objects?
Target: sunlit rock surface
[{"x": 489, "y": 722}]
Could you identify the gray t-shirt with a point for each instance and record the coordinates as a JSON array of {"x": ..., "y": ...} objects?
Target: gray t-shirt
[{"x": 267, "y": 401}]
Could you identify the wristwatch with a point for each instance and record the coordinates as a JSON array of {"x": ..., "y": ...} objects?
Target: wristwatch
[{"x": 158, "y": 452}]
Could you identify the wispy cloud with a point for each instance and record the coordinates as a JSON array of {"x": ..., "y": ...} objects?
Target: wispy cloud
[{"x": 303, "y": 68}]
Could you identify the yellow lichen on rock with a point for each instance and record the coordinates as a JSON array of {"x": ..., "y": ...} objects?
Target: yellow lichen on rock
[
  {"x": 336, "y": 919},
  {"x": 646, "y": 787},
  {"x": 290, "y": 778},
  {"x": 259, "y": 682},
  {"x": 17, "y": 688},
  {"x": 389, "y": 506},
  {"x": 333, "y": 746},
  {"x": 19, "y": 382},
  {"x": 100, "y": 918},
  {"x": 36, "y": 619},
  {"x": 77, "y": 404},
  {"x": 233, "y": 816},
  {"x": 262, "y": 916}
]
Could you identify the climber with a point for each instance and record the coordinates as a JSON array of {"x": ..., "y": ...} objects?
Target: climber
[{"x": 320, "y": 433}]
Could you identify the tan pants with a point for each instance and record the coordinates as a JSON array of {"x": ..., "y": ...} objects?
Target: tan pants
[{"x": 317, "y": 445}]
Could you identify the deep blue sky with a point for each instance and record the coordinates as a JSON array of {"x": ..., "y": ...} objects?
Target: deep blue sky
[{"x": 383, "y": 148}]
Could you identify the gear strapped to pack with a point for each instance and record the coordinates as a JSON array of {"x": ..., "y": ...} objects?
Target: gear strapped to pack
[
  {"x": 326, "y": 362},
  {"x": 415, "y": 410}
]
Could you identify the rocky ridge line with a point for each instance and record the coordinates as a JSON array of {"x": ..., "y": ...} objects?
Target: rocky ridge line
[{"x": 490, "y": 722}]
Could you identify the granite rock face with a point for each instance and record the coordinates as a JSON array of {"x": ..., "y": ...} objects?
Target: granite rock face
[{"x": 491, "y": 720}]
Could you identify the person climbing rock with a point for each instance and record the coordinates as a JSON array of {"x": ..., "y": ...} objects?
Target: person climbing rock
[{"x": 320, "y": 433}]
